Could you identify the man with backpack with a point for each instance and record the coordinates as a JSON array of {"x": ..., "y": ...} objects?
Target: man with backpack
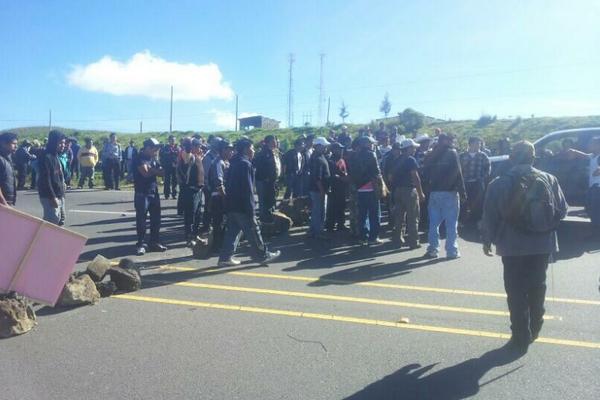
[{"x": 522, "y": 210}]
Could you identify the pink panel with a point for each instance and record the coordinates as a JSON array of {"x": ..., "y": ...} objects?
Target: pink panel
[{"x": 16, "y": 233}]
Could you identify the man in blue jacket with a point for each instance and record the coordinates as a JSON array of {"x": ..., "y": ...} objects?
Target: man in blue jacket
[{"x": 239, "y": 206}]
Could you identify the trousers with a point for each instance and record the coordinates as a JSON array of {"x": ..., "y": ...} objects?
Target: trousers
[{"x": 147, "y": 204}]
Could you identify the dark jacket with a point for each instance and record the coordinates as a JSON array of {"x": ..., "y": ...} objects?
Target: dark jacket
[
  {"x": 364, "y": 167},
  {"x": 23, "y": 157},
  {"x": 168, "y": 156},
  {"x": 442, "y": 171},
  {"x": 8, "y": 182},
  {"x": 290, "y": 160},
  {"x": 239, "y": 186},
  {"x": 51, "y": 183},
  {"x": 265, "y": 164}
]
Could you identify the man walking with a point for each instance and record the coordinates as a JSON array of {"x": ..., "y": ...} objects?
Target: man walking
[
  {"x": 8, "y": 180},
  {"x": 239, "y": 206},
  {"x": 475, "y": 166},
  {"x": 88, "y": 158},
  {"x": 111, "y": 156},
  {"x": 447, "y": 188},
  {"x": 146, "y": 197},
  {"x": 318, "y": 187},
  {"x": 216, "y": 183},
  {"x": 51, "y": 182},
  {"x": 168, "y": 160},
  {"x": 521, "y": 213}
]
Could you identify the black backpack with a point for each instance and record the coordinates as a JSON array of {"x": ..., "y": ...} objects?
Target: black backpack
[{"x": 532, "y": 205}]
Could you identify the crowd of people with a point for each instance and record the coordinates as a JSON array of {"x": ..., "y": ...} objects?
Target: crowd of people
[{"x": 422, "y": 184}]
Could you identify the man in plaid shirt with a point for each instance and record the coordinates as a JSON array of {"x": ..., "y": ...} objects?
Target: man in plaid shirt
[{"x": 475, "y": 166}]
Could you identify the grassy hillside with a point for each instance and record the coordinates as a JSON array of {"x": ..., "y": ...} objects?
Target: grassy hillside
[{"x": 515, "y": 129}]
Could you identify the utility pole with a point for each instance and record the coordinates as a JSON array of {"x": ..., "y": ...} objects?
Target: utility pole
[
  {"x": 171, "y": 114},
  {"x": 328, "y": 108},
  {"x": 290, "y": 94},
  {"x": 236, "y": 112},
  {"x": 141, "y": 124},
  {"x": 49, "y": 119},
  {"x": 321, "y": 57}
]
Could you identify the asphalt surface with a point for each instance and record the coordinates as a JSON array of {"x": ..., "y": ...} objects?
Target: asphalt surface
[{"x": 323, "y": 322}]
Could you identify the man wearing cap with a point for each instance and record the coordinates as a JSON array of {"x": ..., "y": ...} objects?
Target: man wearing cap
[
  {"x": 268, "y": 168},
  {"x": 168, "y": 160},
  {"x": 8, "y": 180},
  {"x": 239, "y": 206},
  {"x": 216, "y": 185},
  {"x": 406, "y": 184},
  {"x": 365, "y": 170},
  {"x": 336, "y": 201},
  {"x": 318, "y": 187},
  {"x": 525, "y": 253},
  {"x": 146, "y": 197},
  {"x": 447, "y": 189},
  {"x": 476, "y": 170},
  {"x": 190, "y": 174}
]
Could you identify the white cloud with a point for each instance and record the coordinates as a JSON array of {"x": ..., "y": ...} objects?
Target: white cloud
[
  {"x": 147, "y": 75},
  {"x": 226, "y": 119}
]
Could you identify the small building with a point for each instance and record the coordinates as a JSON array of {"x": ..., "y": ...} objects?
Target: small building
[{"x": 258, "y": 121}]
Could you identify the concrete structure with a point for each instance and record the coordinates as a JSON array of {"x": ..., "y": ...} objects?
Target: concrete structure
[{"x": 258, "y": 121}]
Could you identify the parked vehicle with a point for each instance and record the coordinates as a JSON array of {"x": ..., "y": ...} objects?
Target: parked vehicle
[{"x": 572, "y": 174}]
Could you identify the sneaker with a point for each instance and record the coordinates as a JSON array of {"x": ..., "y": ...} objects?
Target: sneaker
[
  {"x": 430, "y": 255},
  {"x": 157, "y": 247},
  {"x": 375, "y": 242},
  {"x": 232, "y": 262},
  {"x": 364, "y": 243},
  {"x": 140, "y": 251},
  {"x": 453, "y": 256},
  {"x": 270, "y": 256},
  {"x": 414, "y": 246}
]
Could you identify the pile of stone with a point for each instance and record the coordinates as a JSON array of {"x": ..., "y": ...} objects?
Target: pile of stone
[{"x": 16, "y": 315}]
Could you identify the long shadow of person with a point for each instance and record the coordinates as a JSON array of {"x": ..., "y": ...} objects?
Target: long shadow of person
[{"x": 456, "y": 382}]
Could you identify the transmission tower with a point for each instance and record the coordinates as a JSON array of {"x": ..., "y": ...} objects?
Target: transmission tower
[
  {"x": 321, "y": 100},
  {"x": 290, "y": 92}
]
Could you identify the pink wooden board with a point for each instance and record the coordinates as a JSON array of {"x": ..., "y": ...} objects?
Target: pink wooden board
[{"x": 53, "y": 254}]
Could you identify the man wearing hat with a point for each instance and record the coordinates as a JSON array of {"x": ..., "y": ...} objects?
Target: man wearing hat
[
  {"x": 318, "y": 187},
  {"x": 146, "y": 197},
  {"x": 168, "y": 159},
  {"x": 406, "y": 185},
  {"x": 336, "y": 201},
  {"x": 216, "y": 185}
]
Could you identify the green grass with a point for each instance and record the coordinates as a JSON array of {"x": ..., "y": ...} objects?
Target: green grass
[{"x": 514, "y": 129}]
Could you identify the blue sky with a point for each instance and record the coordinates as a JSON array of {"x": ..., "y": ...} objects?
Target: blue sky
[{"x": 109, "y": 64}]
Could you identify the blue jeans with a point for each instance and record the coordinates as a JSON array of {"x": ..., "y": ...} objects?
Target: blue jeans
[
  {"x": 190, "y": 202},
  {"x": 317, "y": 213},
  {"x": 144, "y": 204},
  {"x": 368, "y": 206},
  {"x": 236, "y": 224},
  {"x": 53, "y": 214},
  {"x": 443, "y": 206}
]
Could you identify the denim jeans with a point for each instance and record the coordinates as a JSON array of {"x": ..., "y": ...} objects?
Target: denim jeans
[
  {"x": 53, "y": 214},
  {"x": 317, "y": 213},
  {"x": 443, "y": 207},
  {"x": 236, "y": 224},
  {"x": 369, "y": 215},
  {"x": 144, "y": 204},
  {"x": 190, "y": 202}
]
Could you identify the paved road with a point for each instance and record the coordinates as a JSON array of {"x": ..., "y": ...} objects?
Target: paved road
[{"x": 323, "y": 323}]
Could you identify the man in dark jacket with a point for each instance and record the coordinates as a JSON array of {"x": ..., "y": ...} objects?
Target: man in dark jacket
[
  {"x": 365, "y": 170},
  {"x": 51, "y": 183},
  {"x": 525, "y": 252},
  {"x": 239, "y": 206},
  {"x": 336, "y": 202},
  {"x": 447, "y": 188},
  {"x": 268, "y": 169},
  {"x": 318, "y": 187},
  {"x": 8, "y": 181},
  {"x": 216, "y": 185},
  {"x": 292, "y": 168},
  {"x": 23, "y": 159},
  {"x": 168, "y": 160}
]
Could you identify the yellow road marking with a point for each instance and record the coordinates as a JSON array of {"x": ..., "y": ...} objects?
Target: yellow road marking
[
  {"x": 377, "y": 284},
  {"x": 355, "y": 320},
  {"x": 344, "y": 298}
]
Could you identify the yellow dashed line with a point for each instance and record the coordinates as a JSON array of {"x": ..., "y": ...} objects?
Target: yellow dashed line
[
  {"x": 344, "y": 298},
  {"x": 378, "y": 285},
  {"x": 354, "y": 320}
]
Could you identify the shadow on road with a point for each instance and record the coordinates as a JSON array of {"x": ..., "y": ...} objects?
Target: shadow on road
[{"x": 456, "y": 382}]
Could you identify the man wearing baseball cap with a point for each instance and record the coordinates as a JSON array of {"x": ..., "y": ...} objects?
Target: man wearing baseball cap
[
  {"x": 406, "y": 185},
  {"x": 318, "y": 186},
  {"x": 146, "y": 197}
]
